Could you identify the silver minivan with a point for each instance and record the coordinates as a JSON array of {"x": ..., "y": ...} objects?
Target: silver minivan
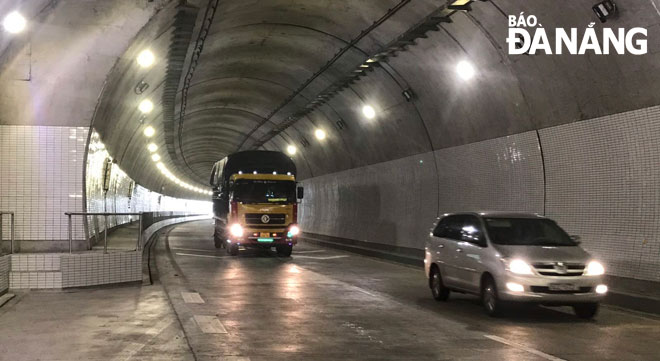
[{"x": 507, "y": 257}]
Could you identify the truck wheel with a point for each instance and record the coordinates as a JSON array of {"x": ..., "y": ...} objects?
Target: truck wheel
[
  {"x": 586, "y": 311},
  {"x": 219, "y": 243},
  {"x": 232, "y": 250},
  {"x": 284, "y": 250}
]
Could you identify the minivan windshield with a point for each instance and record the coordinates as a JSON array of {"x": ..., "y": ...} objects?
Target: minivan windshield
[
  {"x": 264, "y": 191},
  {"x": 526, "y": 232}
]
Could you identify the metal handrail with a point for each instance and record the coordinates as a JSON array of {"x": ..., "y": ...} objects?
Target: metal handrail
[
  {"x": 13, "y": 227},
  {"x": 105, "y": 217}
]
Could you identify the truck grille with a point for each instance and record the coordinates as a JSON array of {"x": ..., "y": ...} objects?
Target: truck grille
[
  {"x": 259, "y": 218},
  {"x": 559, "y": 269}
]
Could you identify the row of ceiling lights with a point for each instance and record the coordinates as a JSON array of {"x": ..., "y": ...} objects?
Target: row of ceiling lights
[
  {"x": 146, "y": 59},
  {"x": 368, "y": 111},
  {"x": 464, "y": 70}
]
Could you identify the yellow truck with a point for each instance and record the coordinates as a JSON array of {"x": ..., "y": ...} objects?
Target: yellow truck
[{"x": 255, "y": 202}]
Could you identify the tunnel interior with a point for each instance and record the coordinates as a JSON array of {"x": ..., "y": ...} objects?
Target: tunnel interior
[{"x": 395, "y": 113}]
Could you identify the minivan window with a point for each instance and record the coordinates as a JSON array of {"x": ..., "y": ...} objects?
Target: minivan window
[
  {"x": 526, "y": 232},
  {"x": 471, "y": 230},
  {"x": 441, "y": 229}
]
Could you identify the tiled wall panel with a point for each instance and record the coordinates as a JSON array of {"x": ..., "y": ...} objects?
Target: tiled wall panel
[
  {"x": 503, "y": 174},
  {"x": 598, "y": 178},
  {"x": 41, "y": 178},
  {"x": 603, "y": 183},
  {"x": 393, "y": 202},
  {"x": 91, "y": 269}
]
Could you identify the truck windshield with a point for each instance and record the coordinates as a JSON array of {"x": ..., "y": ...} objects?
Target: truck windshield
[
  {"x": 526, "y": 232},
  {"x": 264, "y": 191}
]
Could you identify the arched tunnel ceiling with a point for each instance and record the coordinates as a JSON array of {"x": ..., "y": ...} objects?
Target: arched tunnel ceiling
[{"x": 264, "y": 61}]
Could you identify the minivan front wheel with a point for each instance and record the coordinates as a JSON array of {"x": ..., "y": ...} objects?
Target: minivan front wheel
[
  {"x": 438, "y": 289},
  {"x": 490, "y": 298},
  {"x": 586, "y": 311}
]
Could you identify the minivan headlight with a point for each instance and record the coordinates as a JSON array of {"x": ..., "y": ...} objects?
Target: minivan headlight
[
  {"x": 520, "y": 267},
  {"x": 594, "y": 268}
]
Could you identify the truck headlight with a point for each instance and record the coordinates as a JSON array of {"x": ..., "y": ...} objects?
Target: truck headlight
[
  {"x": 520, "y": 267},
  {"x": 595, "y": 268},
  {"x": 236, "y": 230},
  {"x": 293, "y": 231}
]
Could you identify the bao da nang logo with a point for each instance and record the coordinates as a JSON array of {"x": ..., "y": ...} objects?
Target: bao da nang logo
[{"x": 528, "y": 36}]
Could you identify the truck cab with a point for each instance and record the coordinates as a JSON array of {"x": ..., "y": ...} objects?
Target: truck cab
[{"x": 256, "y": 202}]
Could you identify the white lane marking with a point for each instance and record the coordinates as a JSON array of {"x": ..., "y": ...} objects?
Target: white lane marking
[
  {"x": 192, "y": 249},
  {"x": 209, "y": 324},
  {"x": 191, "y": 297},
  {"x": 524, "y": 348},
  {"x": 199, "y": 255},
  {"x": 317, "y": 251},
  {"x": 313, "y": 257}
]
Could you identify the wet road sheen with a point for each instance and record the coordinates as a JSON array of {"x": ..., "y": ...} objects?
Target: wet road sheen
[{"x": 322, "y": 304}]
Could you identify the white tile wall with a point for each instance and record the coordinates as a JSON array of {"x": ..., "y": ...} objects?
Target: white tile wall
[
  {"x": 498, "y": 174},
  {"x": 598, "y": 178},
  {"x": 41, "y": 178},
  {"x": 91, "y": 269},
  {"x": 603, "y": 183}
]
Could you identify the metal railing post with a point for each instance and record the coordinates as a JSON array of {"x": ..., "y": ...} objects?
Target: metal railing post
[
  {"x": 105, "y": 237},
  {"x": 13, "y": 233},
  {"x": 70, "y": 235},
  {"x": 139, "y": 244}
]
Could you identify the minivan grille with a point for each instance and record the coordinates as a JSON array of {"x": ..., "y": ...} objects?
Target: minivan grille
[
  {"x": 559, "y": 269},
  {"x": 543, "y": 289},
  {"x": 256, "y": 218}
]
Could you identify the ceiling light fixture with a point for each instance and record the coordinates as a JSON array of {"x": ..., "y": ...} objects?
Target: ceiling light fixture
[
  {"x": 14, "y": 22},
  {"x": 465, "y": 70},
  {"x": 146, "y": 58},
  {"x": 291, "y": 149},
  {"x": 320, "y": 134},
  {"x": 155, "y": 157},
  {"x": 152, "y": 147},
  {"x": 146, "y": 106},
  {"x": 149, "y": 131},
  {"x": 369, "y": 111}
]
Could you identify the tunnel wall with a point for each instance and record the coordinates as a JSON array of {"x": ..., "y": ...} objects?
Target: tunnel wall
[
  {"x": 41, "y": 178},
  {"x": 598, "y": 178},
  {"x": 124, "y": 194}
]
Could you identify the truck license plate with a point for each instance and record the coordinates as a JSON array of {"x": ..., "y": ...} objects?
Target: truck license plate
[
  {"x": 562, "y": 287},
  {"x": 265, "y": 235}
]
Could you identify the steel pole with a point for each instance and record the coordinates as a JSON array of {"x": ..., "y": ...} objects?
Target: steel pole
[
  {"x": 13, "y": 227},
  {"x": 105, "y": 240},
  {"x": 139, "y": 245},
  {"x": 70, "y": 236}
]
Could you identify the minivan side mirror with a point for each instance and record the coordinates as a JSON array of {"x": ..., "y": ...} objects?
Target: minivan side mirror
[
  {"x": 301, "y": 192},
  {"x": 576, "y": 239}
]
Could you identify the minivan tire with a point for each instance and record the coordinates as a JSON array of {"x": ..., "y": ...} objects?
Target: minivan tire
[
  {"x": 586, "y": 311},
  {"x": 490, "y": 297},
  {"x": 438, "y": 289}
]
